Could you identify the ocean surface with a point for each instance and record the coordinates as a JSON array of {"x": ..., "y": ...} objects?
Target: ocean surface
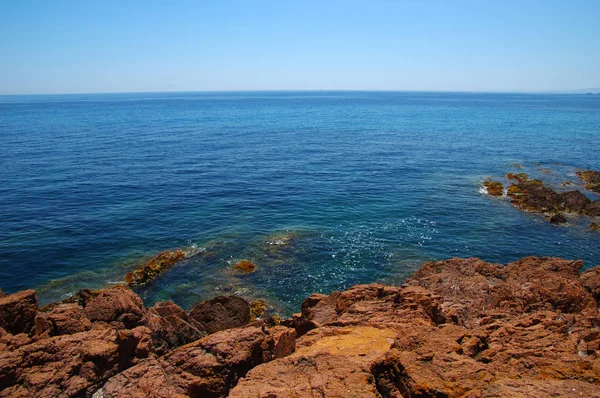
[{"x": 322, "y": 190}]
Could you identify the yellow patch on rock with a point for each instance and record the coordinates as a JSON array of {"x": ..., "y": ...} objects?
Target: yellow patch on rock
[{"x": 359, "y": 341}]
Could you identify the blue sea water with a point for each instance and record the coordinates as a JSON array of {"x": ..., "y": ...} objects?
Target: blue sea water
[{"x": 322, "y": 190}]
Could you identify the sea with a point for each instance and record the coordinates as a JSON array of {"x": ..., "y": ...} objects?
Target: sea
[{"x": 321, "y": 190}]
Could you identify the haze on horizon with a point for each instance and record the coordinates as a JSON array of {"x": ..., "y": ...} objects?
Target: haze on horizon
[{"x": 138, "y": 46}]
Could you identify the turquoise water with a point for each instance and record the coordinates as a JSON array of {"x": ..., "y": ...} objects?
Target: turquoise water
[{"x": 322, "y": 190}]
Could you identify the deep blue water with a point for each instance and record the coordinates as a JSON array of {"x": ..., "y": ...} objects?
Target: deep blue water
[{"x": 368, "y": 184}]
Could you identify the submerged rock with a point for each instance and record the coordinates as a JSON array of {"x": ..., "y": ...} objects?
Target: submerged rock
[
  {"x": 591, "y": 179},
  {"x": 245, "y": 266},
  {"x": 494, "y": 188},
  {"x": 595, "y": 226},
  {"x": 154, "y": 267}
]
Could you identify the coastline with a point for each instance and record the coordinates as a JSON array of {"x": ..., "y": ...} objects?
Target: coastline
[{"x": 458, "y": 327}]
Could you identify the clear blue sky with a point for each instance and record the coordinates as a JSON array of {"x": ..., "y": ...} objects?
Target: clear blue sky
[{"x": 114, "y": 46}]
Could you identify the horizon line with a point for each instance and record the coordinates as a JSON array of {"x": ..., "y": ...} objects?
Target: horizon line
[{"x": 566, "y": 91}]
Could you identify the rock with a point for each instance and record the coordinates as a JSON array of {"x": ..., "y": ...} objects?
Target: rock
[
  {"x": 245, "y": 266},
  {"x": 154, "y": 267},
  {"x": 17, "y": 311},
  {"x": 334, "y": 362},
  {"x": 534, "y": 196},
  {"x": 573, "y": 201},
  {"x": 62, "y": 319},
  {"x": 593, "y": 209},
  {"x": 170, "y": 327},
  {"x": 219, "y": 313},
  {"x": 67, "y": 365},
  {"x": 257, "y": 309},
  {"x": 168, "y": 308},
  {"x": 595, "y": 226},
  {"x": 591, "y": 281},
  {"x": 519, "y": 177},
  {"x": 494, "y": 188},
  {"x": 207, "y": 368},
  {"x": 558, "y": 219},
  {"x": 456, "y": 328},
  {"x": 116, "y": 304},
  {"x": 2, "y": 294},
  {"x": 591, "y": 179}
]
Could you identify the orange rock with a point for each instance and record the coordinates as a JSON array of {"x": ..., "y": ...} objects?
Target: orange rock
[
  {"x": 154, "y": 267},
  {"x": 245, "y": 266},
  {"x": 494, "y": 188}
]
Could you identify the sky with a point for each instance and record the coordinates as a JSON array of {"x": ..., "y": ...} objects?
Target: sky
[{"x": 54, "y": 46}]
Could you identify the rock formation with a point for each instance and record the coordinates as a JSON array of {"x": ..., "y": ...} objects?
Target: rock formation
[
  {"x": 154, "y": 267},
  {"x": 591, "y": 179},
  {"x": 494, "y": 188},
  {"x": 534, "y": 196},
  {"x": 457, "y": 328}
]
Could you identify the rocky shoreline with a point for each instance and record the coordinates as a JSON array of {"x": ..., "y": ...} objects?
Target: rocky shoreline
[
  {"x": 460, "y": 327},
  {"x": 533, "y": 195}
]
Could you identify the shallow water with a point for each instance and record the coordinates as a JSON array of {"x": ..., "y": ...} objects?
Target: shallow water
[{"x": 369, "y": 184}]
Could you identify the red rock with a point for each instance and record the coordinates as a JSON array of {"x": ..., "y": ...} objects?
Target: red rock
[
  {"x": 153, "y": 268},
  {"x": 117, "y": 303},
  {"x": 457, "y": 328},
  {"x": 62, "y": 319},
  {"x": 206, "y": 368},
  {"x": 219, "y": 313},
  {"x": 591, "y": 281},
  {"x": 17, "y": 311}
]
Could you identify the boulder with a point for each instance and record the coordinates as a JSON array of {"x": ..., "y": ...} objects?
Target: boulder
[
  {"x": 558, "y": 218},
  {"x": 154, "y": 267},
  {"x": 219, "y": 313},
  {"x": 67, "y": 318},
  {"x": 116, "y": 304},
  {"x": 573, "y": 201},
  {"x": 18, "y": 311},
  {"x": 593, "y": 209}
]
